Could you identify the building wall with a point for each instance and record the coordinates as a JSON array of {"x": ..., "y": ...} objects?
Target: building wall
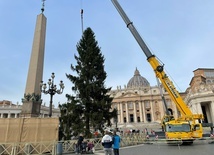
[
  {"x": 143, "y": 105},
  {"x": 140, "y": 106},
  {"x": 200, "y": 94},
  {"x": 10, "y": 110}
]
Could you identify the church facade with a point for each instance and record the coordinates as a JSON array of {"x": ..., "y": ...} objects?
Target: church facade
[
  {"x": 200, "y": 94},
  {"x": 140, "y": 104}
]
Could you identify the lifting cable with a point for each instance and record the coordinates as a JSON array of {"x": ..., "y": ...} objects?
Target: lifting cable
[{"x": 81, "y": 12}]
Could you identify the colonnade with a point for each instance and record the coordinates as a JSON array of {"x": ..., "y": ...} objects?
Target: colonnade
[
  {"x": 137, "y": 109},
  {"x": 9, "y": 115}
]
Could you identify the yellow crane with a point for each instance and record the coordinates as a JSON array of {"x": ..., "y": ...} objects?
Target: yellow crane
[{"x": 188, "y": 126}]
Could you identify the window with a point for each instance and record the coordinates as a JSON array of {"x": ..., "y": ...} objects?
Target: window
[
  {"x": 208, "y": 81},
  {"x": 124, "y": 106},
  {"x": 137, "y": 105},
  {"x": 209, "y": 73},
  {"x": 178, "y": 128},
  {"x": 145, "y": 91},
  {"x": 148, "y": 117},
  {"x": 131, "y": 118},
  {"x": 130, "y": 105},
  {"x": 12, "y": 115},
  {"x": 196, "y": 127},
  {"x": 147, "y": 104},
  {"x": 124, "y": 119},
  {"x": 138, "y": 119},
  {"x": 170, "y": 111}
]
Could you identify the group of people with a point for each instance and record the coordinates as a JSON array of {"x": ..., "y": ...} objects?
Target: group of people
[
  {"x": 84, "y": 146},
  {"x": 110, "y": 142}
]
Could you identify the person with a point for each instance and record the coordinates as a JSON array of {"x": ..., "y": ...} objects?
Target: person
[
  {"x": 117, "y": 132},
  {"x": 91, "y": 147},
  {"x": 146, "y": 131},
  {"x": 79, "y": 144},
  {"x": 107, "y": 143},
  {"x": 84, "y": 148},
  {"x": 116, "y": 143},
  {"x": 96, "y": 134}
]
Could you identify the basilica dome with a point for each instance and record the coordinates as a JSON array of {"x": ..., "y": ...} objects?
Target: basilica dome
[{"x": 137, "y": 81}]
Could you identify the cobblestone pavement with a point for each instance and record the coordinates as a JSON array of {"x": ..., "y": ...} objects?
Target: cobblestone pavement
[
  {"x": 200, "y": 147},
  {"x": 96, "y": 153}
]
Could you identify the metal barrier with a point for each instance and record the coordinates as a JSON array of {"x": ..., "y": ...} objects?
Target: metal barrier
[
  {"x": 68, "y": 146},
  {"x": 28, "y": 148}
]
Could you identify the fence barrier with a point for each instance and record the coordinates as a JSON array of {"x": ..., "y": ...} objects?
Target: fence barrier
[{"x": 68, "y": 146}]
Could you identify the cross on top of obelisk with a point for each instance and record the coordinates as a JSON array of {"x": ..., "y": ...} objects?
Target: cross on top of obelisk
[{"x": 43, "y": 6}]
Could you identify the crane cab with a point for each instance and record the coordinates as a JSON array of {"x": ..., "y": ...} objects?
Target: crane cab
[{"x": 197, "y": 130}]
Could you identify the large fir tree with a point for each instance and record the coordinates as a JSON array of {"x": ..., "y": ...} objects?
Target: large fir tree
[{"x": 90, "y": 107}]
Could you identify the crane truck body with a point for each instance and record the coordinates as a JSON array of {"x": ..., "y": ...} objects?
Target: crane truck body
[{"x": 188, "y": 126}]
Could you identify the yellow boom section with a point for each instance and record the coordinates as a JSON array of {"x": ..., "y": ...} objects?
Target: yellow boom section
[
  {"x": 170, "y": 88},
  {"x": 168, "y": 85}
]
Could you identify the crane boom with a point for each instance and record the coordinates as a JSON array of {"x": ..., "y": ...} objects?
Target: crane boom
[
  {"x": 158, "y": 68},
  {"x": 133, "y": 30}
]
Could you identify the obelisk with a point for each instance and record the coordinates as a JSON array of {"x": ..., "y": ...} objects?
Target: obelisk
[{"x": 32, "y": 96}]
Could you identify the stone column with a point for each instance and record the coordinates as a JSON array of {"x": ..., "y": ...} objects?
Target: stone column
[
  {"x": 212, "y": 110},
  {"x": 199, "y": 110},
  {"x": 121, "y": 113},
  {"x": 152, "y": 112},
  {"x": 140, "y": 110},
  {"x": 118, "y": 112},
  {"x": 192, "y": 107},
  {"x": 135, "y": 113},
  {"x": 127, "y": 113},
  {"x": 8, "y": 115},
  {"x": 162, "y": 108},
  {"x": 144, "y": 113}
]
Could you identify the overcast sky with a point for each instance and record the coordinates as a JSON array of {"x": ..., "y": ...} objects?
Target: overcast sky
[{"x": 179, "y": 32}]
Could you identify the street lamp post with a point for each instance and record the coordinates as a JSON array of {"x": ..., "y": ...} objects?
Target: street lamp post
[{"x": 52, "y": 90}]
